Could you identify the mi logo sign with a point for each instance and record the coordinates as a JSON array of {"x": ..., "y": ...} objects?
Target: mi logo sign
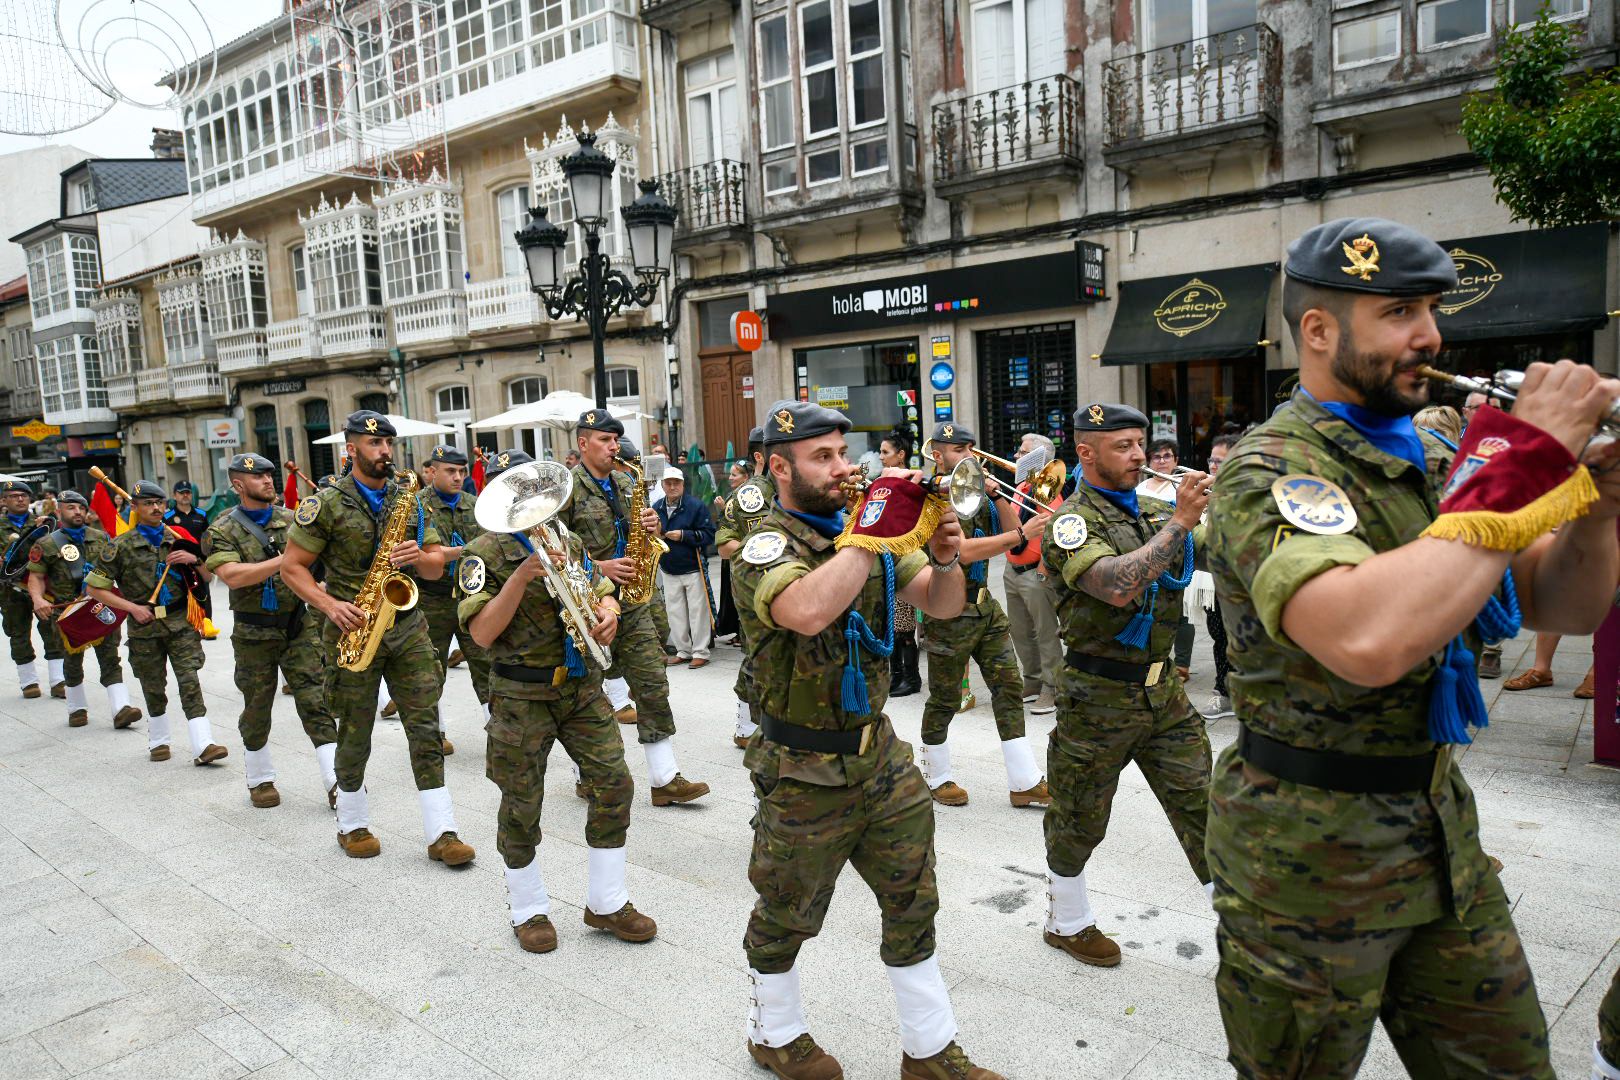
[{"x": 747, "y": 330}]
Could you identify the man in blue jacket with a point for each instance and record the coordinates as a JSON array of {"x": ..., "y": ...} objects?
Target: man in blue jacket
[{"x": 688, "y": 530}]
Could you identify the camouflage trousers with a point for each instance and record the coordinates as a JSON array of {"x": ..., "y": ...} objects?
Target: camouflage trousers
[
  {"x": 526, "y": 719},
  {"x": 660, "y": 617},
  {"x": 1102, "y": 726},
  {"x": 638, "y": 659},
  {"x": 405, "y": 659},
  {"x": 106, "y": 650},
  {"x": 1609, "y": 1023},
  {"x": 174, "y": 644},
  {"x": 442, "y": 626},
  {"x": 985, "y": 639},
  {"x": 1455, "y": 995},
  {"x": 17, "y": 619},
  {"x": 805, "y": 833},
  {"x": 263, "y": 653},
  {"x": 746, "y": 686}
]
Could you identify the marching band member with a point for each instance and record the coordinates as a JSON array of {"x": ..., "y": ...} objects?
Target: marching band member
[
  {"x": 450, "y": 507},
  {"x": 17, "y": 614},
  {"x": 544, "y": 691},
  {"x": 745, "y": 508},
  {"x": 272, "y": 631}
]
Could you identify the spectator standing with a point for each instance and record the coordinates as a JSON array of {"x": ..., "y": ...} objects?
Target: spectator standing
[
  {"x": 1162, "y": 458},
  {"x": 1441, "y": 421},
  {"x": 688, "y": 530},
  {"x": 895, "y": 453},
  {"x": 1032, "y": 604}
]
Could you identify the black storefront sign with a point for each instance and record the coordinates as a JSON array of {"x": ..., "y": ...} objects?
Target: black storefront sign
[
  {"x": 282, "y": 386},
  {"x": 1545, "y": 281},
  {"x": 1034, "y": 283},
  {"x": 1211, "y": 315}
]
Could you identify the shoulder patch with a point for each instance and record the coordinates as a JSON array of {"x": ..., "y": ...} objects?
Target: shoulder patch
[
  {"x": 1069, "y": 531},
  {"x": 309, "y": 508},
  {"x": 764, "y": 547},
  {"x": 750, "y": 498},
  {"x": 1313, "y": 505},
  {"x": 470, "y": 575}
]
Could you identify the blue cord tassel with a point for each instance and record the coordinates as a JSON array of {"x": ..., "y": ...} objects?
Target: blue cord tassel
[
  {"x": 267, "y": 595},
  {"x": 858, "y": 634},
  {"x": 574, "y": 662},
  {"x": 1135, "y": 634},
  {"x": 1500, "y": 619},
  {"x": 1454, "y": 699},
  {"x": 450, "y": 567},
  {"x": 978, "y": 571}
]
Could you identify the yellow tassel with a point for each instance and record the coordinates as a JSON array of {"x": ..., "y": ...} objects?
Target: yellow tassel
[
  {"x": 194, "y": 613},
  {"x": 927, "y": 521},
  {"x": 1520, "y": 528}
]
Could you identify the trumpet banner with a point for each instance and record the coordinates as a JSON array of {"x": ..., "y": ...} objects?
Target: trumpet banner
[{"x": 894, "y": 516}]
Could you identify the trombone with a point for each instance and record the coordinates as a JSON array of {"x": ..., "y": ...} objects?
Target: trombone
[
  {"x": 1034, "y": 466},
  {"x": 1503, "y": 386},
  {"x": 525, "y": 498}
]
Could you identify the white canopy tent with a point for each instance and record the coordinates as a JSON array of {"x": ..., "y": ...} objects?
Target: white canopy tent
[{"x": 404, "y": 428}]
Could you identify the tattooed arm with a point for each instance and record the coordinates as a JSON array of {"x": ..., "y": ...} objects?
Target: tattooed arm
[{"x": 1121, "y": 580}]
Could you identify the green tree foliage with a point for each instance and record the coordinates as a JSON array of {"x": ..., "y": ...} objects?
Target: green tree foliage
[{"x": 1550, "y": 141}]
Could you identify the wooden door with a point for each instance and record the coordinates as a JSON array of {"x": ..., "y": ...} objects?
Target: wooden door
[{"x": 728, "y": 404}]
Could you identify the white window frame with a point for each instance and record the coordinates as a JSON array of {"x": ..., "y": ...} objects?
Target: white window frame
[
  {"x": 1535, "y": 5},
  {"x": 457, "y": 418},
  {"x": 512, "y": 260},
  {"x": 1430, "y": 5},
  {"x": 235, "y": 289},
  {"x": 806, "y": 71},
  {"x": 298, "y": 262},
  {"x": 786, "y": 79},
  {"x": 185, "y": 321},
  {"x": 24, "y": 372},
  {"x": 713, "y": 89},
  {"x": 49, "y": 288},
  {"x": 420, "y": 230},
  {"x": 119, "y": 333},
  {"x": 84, "y": 260},
  {"x": 851, "y": 59},
  {"x": 342, "y": 257},
  {"x": 86, "y": 190},
  {"x": 1351, "y": 66},
  {"x": 539, "y": 437}
]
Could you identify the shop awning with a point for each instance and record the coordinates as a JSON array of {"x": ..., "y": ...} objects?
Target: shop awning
[
  {"x": 1212, "y": 315},
  {"x": 1542, "y": 281}
]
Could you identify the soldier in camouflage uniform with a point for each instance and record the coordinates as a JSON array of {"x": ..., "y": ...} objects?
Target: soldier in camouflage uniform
[
  {"x": 146, "y": 565},
  {"x": 835, "y": 784},
  {"x": 980, "y": 634},
  {"x": 272, "y": 632},
  {"x": 745, "y": 508},
  {"x": 1120, "y": 565},
  {"x": 57, "y": 566},
  {"x": 1350, "y": 883},
  {"x": 17, "y": 615},
  {"x": 597, "y": 510},
  {"x": 341, "y": 525},
  {"x": 451, "y": 510},
  {"x": 546, "y": 690}
]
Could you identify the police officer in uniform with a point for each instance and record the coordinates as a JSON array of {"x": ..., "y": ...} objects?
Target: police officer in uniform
[
  {"x": 57, "y": 566},
  {"x": 1350, "y": 883},
  {"x": 185, "y": 514},
  {"x": 451, "y": 510},
  {"x": 16, "y": 608},
  {"x": 598, "y": 511},
  {"x": 745, "y": 508},
  {"x": 145, "y": 566},
  {"x": 341, "y": 525},
  {"x": 835, "y": 784},
  {"x": 546, "y": 691},
  {"x": 271, "y": 631},
  {"x": 1120, "y": 563},
  {"x": 981, "y": 633}
]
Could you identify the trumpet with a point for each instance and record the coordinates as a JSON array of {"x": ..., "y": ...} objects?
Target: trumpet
[
  {"x": 525, "y": 498},
  {"x": 1503, "y": 386},
  {"x": 962, "y": 487}
]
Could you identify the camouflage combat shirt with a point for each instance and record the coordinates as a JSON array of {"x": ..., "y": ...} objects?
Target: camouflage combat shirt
[
  {"x": 744, "y": 509},
  {"x": 337, "y": 525},
  {"x": 227, "y": 541},
  {"x": 131, "y": 565},
  {"x": 63, "y": 563},
  {"x": 800, "y": 679},
  {"x": 594, "y": 518},
  {"x": 1350, "y": 861},
  {"x": 450, "y": 523},
  {"x": 534, "y": 637}
]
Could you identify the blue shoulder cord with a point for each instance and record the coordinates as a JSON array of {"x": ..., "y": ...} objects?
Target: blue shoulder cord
[
  {"x": 857, "y": 634},
  {"x": 1135, "y": 634},
  {"x": 574, "y": 662},
  {"x": 1455, "y": 703}
]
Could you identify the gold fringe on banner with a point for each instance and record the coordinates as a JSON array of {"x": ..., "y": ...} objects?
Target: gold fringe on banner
[
  {"x": 194, "y": 613},
  {"x": 933, "y": 509},
  {"x": 1518, "y": 529}
]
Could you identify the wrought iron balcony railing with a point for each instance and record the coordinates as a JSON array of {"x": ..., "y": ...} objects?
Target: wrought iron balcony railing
[
  {"x": 707, "y": 196},
  {"x": 998, "y": 131},
  {"x": 1194, "y": 86}
]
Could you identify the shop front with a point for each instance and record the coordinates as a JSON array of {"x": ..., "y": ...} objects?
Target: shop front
[{"x": 1202, "y": 338}]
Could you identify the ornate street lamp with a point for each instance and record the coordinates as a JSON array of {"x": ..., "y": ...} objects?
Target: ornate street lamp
[{"x": 598, "y": 291}]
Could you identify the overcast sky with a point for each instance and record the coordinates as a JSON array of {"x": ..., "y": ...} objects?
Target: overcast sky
[{"x": 126, "y": 130}]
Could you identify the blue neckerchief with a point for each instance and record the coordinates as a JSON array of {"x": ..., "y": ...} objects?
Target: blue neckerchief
[
  {"x": 828, "y": 525},
  {"x": 1455, "y": 703},
  {"x": 450, "y": 500},
  {"x": 17, "y": 520},
  {"x": 572, "y": 660},
  {"x": 374, "y": 499},
  {"x": 261, "y": 518},
  {"x": 77, "y": 535},
  {"x": 1449, "y": 444},
  {"x": 152, "y": 534},
  {"x": 1394, "y": 435},
  {"x": 1125, "y": 500}
]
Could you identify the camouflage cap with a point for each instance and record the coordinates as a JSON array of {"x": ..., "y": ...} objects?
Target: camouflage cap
[
  {"x": 1100, "y": 416},
  {"x": 1371, "y": 255},
  {"x": 446, "y": 454},
  {"x": 251, "y": 464},
  {"x": 504, "y": 460},
  {"x": 600, "y": 420},
  {"x": 368, "y": 422},
  {"x": 790, "y": 421}
]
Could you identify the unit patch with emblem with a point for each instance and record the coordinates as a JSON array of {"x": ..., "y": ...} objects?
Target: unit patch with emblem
[
  {"x": 470, "y": 575},
  {"x": 764, "y": 547},
  {"x": 70, "y": 552},
  {"x": 1313, "y": 505},
  {"x": 1069, "y": 531},
  {"x": 750, "y": 498},
  {"x": 309, "y": 508}
]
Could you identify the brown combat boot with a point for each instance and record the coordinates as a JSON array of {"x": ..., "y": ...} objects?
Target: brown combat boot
[
  {"x": 31, "y": 691},
  {"x": 626, "y": 924},
  {"x": 285, "y": 689},
  {"x": 390, "y": 709},
  {"x": 159, "y": 753},
  {"x": 678, "y": 790},
  {"x": 359, "y": 844},
  {"x": 78, "y": 718},
  {"x": 1089, "y": 946},
  {"x": 451, "y": 850},
  {"x": 1038, "y": 795},
  {"x": 950, "y": 1063},
  {"x": 59, "y": 691},
  {"x": 126, "y": 716},
  {"x": 265, "y": 795},
  {"x": 536, "y": 935},
  {"x": 446, "y": 746},
  {"x": 740, "y": 741},
  {"x": 456, "y": 657},
  {"x": 626, "y": 715},
  {"x": 211, "y": 753},
  {"x": 800, "y": 1059},
  {"x": 950, "y": 793}
]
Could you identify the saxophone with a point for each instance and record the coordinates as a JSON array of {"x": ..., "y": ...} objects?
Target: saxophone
[
  {"x": 385, "y": 592},
  {"x": 640, "y": 546}
]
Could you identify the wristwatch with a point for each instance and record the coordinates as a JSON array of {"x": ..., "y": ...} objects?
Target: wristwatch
[{"x": 945, "y": 568}]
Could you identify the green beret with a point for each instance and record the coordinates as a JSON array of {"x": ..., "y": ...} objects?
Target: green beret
[
  {"x": 790, "y": 421},
  {"x": 1104, "y": 417},
  {"x": 1371, "y": 255}
]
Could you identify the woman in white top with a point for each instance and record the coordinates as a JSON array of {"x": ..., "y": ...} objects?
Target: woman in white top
[{"x": 1161, "y": 458}]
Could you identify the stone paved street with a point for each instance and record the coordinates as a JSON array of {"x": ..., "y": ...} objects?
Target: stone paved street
[{"x": 153, "y": 924}]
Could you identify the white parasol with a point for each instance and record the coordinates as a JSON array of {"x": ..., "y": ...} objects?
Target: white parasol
[
  {"x": 404, "y": 428},
  {"x": 560, "y": 409}
]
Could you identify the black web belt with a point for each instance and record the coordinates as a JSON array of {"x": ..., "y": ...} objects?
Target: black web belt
[
  {"x": 550, "y": 676},
  {"x": 1118, "y": 670},
  {"x": 818, "y": 740},
  {"x": 278, "y": 621},
  {"x": 1357, "y": 774}
]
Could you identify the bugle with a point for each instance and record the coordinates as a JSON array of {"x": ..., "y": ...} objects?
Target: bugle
[
  {"x": 1504, "y": 385},
  {"x": 1035, "y": 466}
]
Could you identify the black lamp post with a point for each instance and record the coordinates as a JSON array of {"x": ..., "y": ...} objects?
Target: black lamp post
[{"x": 598, "y": 292}]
